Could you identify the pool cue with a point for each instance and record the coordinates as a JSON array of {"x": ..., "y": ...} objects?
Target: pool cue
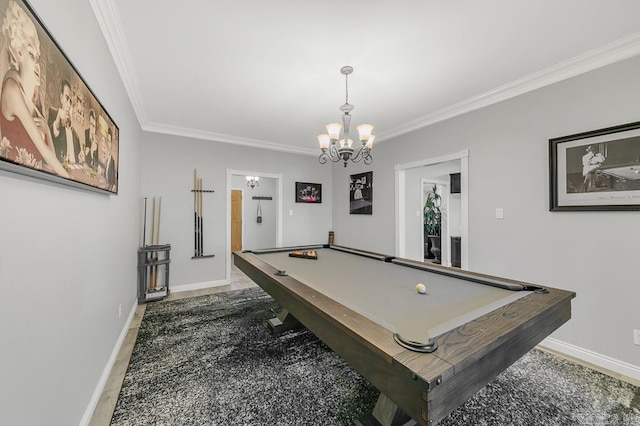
[
  {"x": 144, "y": 226},
  {"x": 153, "y": 237},
  {"x": 155, "y": 272},
  {"x": 195, "y": 213},
  {"x": 201, "y": 233},
  {"x": 199, "y": 219}
]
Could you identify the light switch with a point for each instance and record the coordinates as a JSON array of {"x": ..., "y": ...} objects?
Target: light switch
[
  {"x": 499, "y": 213},
  {"x": 290, "y": 212}
]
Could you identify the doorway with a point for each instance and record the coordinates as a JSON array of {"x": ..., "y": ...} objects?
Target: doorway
[
  {"x": 409, "y": 225},
  {"x": 231, "y": 174}
]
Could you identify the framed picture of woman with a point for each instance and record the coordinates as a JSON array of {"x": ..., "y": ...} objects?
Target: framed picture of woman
[{"x": 361, "y": 193}]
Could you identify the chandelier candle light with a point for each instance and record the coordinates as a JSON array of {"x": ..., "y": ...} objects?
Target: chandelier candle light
[
  {"x": 253, "y": 181},
  {"x": 345, "y": 151}
]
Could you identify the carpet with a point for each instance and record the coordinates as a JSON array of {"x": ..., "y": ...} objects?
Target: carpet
[{"x": 210, "y": 360}]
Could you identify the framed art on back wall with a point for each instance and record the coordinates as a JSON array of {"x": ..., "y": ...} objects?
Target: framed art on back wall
[
  {"x": 596, "y": 170},
  {"x": 361, "y": 193},
  {"x": 308, "y": 192},
  {"x": 51, "y": 124}
]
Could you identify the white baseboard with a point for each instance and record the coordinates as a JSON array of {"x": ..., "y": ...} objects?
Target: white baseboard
[
  {"x": 88, "y": 412},
  {"x": 599, "y": 360},
  {"x": 198, "y": 286}
]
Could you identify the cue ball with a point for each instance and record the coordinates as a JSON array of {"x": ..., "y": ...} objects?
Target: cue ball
[{"x": 420, "y": 288}]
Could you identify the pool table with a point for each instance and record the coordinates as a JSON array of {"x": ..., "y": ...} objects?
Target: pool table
[{"x": 427, "y": 353}]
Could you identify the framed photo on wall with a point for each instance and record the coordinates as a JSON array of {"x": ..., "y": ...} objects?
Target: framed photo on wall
[
  {"x": 51, "y": 124},
  {"x": 361, "y": 193},
  {"x": 596, "y": 170},
  {"x": 308, "y": 192}
]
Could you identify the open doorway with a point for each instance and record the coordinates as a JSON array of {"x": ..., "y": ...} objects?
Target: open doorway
[
  {"x": 264, "y": 200},
  {"x": 411, "y": 181},
  {"x": 435, "y": 220}
]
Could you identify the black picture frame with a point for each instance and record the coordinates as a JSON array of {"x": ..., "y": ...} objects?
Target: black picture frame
[
  {"x": 307, "y": 192},
  {"x": 597, "y": 170},
  {"x": 361, "y": 193},
  {"x": 53, "y": 138}
]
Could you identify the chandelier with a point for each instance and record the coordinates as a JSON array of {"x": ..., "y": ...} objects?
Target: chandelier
[
  {"x": 253, "y": 181},
  {"x": 334, "y": 147}
]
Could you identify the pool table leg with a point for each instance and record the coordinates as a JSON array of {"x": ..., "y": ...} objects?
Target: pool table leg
[
  {"x": 283, "y": 322},
  {"x": 386, "y": 413}
]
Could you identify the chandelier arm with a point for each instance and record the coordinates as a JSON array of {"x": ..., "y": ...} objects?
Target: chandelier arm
[
  {"x": 368, "y": 159},
  {"x": 357, "y": 157},
  {"x": 334, "y": 154},
  {"x": 362, "y": 153}
]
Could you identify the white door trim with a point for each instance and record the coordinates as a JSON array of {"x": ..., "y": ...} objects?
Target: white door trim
[
  {"x": 231, "y": 172},
  {"x": 400, "y": 178}
]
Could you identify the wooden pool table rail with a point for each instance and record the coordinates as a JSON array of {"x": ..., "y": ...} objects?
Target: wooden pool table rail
[{"x": 425, "y": 386}]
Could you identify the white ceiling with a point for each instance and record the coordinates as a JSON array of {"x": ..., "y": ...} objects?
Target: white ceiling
[{"x": 266, "y": 73}]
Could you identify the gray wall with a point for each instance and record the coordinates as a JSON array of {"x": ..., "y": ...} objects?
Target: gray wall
[
  {"x": 594, "y": 254},
  {"x": 167, "y": 171},
  {"x": 67, "y": 256}
]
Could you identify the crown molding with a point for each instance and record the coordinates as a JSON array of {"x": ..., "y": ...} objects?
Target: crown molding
[
  {"x": 224, "y": 138},
  {"x": 109, "y": 21},
  {"x": 608, "y": 54},
  {"x": 108, "y": 18}
]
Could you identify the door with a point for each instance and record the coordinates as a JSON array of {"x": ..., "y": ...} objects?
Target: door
[{"x": 236, "y": 220}]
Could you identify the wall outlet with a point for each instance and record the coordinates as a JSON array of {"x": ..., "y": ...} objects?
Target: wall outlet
[
  {"x": 636, "y": 337},
  {"x": 120, "y": 311}
]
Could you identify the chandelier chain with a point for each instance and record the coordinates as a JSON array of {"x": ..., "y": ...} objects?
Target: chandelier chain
[{"x": 346, "y": 88}]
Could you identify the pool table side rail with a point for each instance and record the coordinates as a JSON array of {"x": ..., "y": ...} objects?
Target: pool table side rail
[
  {"x": 291, "y": 248},
  {"x": 483, "y": 348},
  {"x": 368, "y": 347},
  {"x": 298, "y": 293},
  {"x": 477, "y": 277},
  {"x": 365, "y": 253},
  {"x": 425, "y": 386}
]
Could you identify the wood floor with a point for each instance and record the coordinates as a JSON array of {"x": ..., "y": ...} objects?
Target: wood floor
[{"x": 107, "y": 402}]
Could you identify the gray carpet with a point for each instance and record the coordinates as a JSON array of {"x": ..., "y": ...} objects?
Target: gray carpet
[{"x": 209, "y": 360}]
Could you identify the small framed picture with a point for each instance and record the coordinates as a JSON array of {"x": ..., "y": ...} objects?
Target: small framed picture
[
  {"x": 308, "y": 192},
  {"x": 596, "y": 170},
  {"x": 361, "y": 193}
]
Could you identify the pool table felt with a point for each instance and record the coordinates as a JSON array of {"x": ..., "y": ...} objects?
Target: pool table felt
[{"x": 385, "y": 293}]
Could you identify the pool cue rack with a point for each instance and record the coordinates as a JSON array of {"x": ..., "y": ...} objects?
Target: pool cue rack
[
  {"x": 153, "y": 272},
  {"x": 153, "y": 259},
  {"x": 198, "y": 225}
]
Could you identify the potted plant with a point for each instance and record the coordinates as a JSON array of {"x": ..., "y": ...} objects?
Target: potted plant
[{"x": 432, "y": 216}]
